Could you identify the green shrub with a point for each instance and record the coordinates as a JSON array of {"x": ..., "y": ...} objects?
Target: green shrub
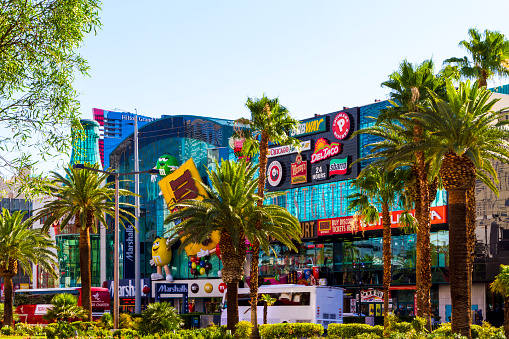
[
  {"x": 290, "y": 330},
  {"x": 243, "y": 330},
  {"x": 7, "y": 330},
  {"x": 125, "y": 320},
  {"x": 106, "y": 321},
  {"x": 352, "y": 330},
  {"x": 159, "y": 318},
  {"x": 126, "y": 333}
]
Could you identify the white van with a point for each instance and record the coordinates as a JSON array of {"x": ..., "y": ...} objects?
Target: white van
[{"x": 294, "y": 304}]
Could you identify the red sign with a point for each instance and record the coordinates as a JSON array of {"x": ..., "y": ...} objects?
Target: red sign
[
  {"x": 324, "y": 150},
  {"x": 222, "y": 287},
  {"x": 349, "y": 224},
  {"x": 341, "y": 125},
  {"x": 299, "y": 171}
]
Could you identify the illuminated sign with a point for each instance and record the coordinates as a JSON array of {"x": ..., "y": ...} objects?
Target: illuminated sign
[
  {"x": 274, "y": 173},
  {"x": 309, "y": 127},
  {"x": 288, "y": 149},
  {"x": 351, "y": 224},
  {"x": 338, "y": 166},
  {"x": 299, "y": 171},
  {"x": 319, "y": 172},
  {"x": 324, "y": 150},
  {"x": 341, "y": 125},
  {"x": 308, "y": 229},
  {"x": 182, "y": 184}
]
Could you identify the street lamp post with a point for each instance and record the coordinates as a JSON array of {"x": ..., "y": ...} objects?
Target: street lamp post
[{"x": 116, "y": 304}]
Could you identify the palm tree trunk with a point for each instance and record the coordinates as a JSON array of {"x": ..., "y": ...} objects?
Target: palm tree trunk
[
  {"x": 233, "y": 261},
  {"x": 232, "y": 312},
  {"x": 418, "y": 250},
  {"x": 459, "y": 262},
  {"x": 265, "y": 307},
  {"x": 8, "y": 316},
  {"x": 424, "y": 293},
  {"x": 386, "y": 222},
  {"x": 86, "y": 281},
  {"x": 506, "y": 317},
  {"x": 264, "y": 146}
]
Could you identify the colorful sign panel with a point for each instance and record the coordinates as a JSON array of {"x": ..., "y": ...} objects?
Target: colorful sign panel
[
  {"x": 274, "y": 173},
  {"x": 341, "y": 126},
  {"x": 288, "y": 149},
  {"x": 312, "y": 126},
  {"x": 299, "y": 171},
  {"x": 338, "y": 166},
  {"x": 324, "y": 150},
  {"x": 182, "y": 184},
  {"x": 351, "y": 224}
]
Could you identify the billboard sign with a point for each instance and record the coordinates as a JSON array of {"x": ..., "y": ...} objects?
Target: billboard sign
[
  {"x": 312, "y": 126},
  {"x": 288, "y": 149},
  {"x": 299, "y": 171}
]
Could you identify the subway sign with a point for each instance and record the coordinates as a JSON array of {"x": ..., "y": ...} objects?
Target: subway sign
[{"x": 313, "y": 126}]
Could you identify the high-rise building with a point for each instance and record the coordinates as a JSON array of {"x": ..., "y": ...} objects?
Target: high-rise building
[{"x": 114, "y": 127}]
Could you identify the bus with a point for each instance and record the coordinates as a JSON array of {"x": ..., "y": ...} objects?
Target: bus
[
  {"x": 33, "y": 304},
  {"x": 294, "y": 304}
]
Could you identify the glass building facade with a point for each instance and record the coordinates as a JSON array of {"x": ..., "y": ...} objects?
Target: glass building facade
[
  {"x": 85, "y": 150},
  {"x": 184, "y": 137}
]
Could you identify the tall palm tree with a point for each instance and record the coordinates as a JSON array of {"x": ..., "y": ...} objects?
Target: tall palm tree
[
  {"x": 376, "y": 187},
  {"x": 229, "y": 200},
  {"x": 269, "y": 122},
  {"x": 82, "y": 197},
  {"x": 501, "y": 286},
  {"x": 465, "y": 135},
  {"x": 490, "y": 56},
  {"x": 410, "y": 87},
  {"x": 19, "y": 247},
  {"x": 231, "y": 208}
]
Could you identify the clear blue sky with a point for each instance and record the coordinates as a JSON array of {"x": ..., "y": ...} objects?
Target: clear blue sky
[{"x": 206, "y": 57}]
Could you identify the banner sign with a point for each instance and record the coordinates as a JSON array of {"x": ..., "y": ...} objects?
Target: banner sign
[
  {"x": 288, "y": 149},
  {"x": 351, "y": 224},
  {"x": 338, "y": 166},
  {"x": 341, "y": 126},
  {"x": 316, "y": 125},
  {"x": 372, "y": 295},
  {"x": 182, "y": 184},
  {"x": 129, "y": 251},
  {"x": 299, "y": 171},
  {"x": 324, "y": 150}
]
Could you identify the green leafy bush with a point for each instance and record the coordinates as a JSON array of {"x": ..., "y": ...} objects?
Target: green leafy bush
[
  {"x": 126, "y": 333},
  {"x": 352, "y": 330},
  {"x": 125, "y": 320},
  {"x": 290, "y": 330},
  {"x": 159, "y": 318},
  {"x": 243, "y": 330},
  {"x": 106, "y": 321},
  {"x": 7, "y": 330}
]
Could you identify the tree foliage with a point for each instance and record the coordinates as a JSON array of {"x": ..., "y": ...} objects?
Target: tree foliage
[
  {"x": 38, "y": 64},
  {"x": 489, "y": 56},
  {"x": 64, "y": 308}
]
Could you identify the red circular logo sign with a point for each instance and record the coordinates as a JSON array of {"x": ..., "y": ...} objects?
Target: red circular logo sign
[
  {"x": 341, "y": 125},
  {"x": 222, "y": 287},
  {"x": 274, "y": 173}
]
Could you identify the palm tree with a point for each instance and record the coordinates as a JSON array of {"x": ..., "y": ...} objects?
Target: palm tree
[
  {"x": 267, "y": 301},
  {"x": 465, "y": 135},
  {"x": 376, "y": 187},
  {"x": 269, "y": 122},
  {"x": 64, "y": 308},
  {"x": 410, "y": 87},
  {"x": 501, "y": 286},
  {"x": 19, "y": 247},
  {"x": 230, "y": 198},
  {"x": 231, "y": 208},
  {"x": 82, "y": 197},
  {"x": 490, "y": 56}
]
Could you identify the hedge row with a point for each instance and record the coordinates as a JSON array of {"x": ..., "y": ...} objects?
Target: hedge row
[{"x": 291, "y": 330}]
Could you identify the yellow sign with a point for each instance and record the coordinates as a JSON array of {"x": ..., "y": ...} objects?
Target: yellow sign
[{"x": 182, "y": 184}]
